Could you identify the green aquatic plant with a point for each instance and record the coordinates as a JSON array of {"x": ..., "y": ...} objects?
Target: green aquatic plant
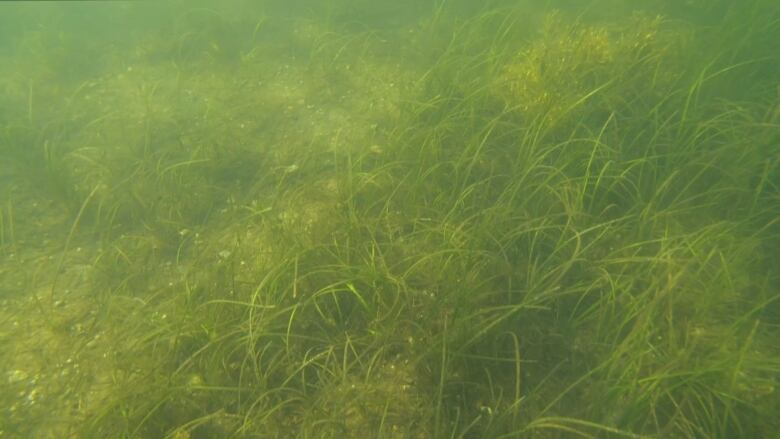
[{"x": 472, "y": 223}]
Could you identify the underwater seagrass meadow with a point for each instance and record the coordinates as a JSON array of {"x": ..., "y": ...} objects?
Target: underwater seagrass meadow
[{"x": 407, "y": 219}]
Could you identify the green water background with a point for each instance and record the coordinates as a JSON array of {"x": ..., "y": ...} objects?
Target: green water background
[{"x": 389, "y": 219}]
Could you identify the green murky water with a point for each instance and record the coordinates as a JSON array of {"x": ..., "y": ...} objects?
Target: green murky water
[{"x": 429, "y": 219}]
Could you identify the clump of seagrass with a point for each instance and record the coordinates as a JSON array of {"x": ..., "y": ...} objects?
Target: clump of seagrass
[{"x": 609, "y": 67}]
